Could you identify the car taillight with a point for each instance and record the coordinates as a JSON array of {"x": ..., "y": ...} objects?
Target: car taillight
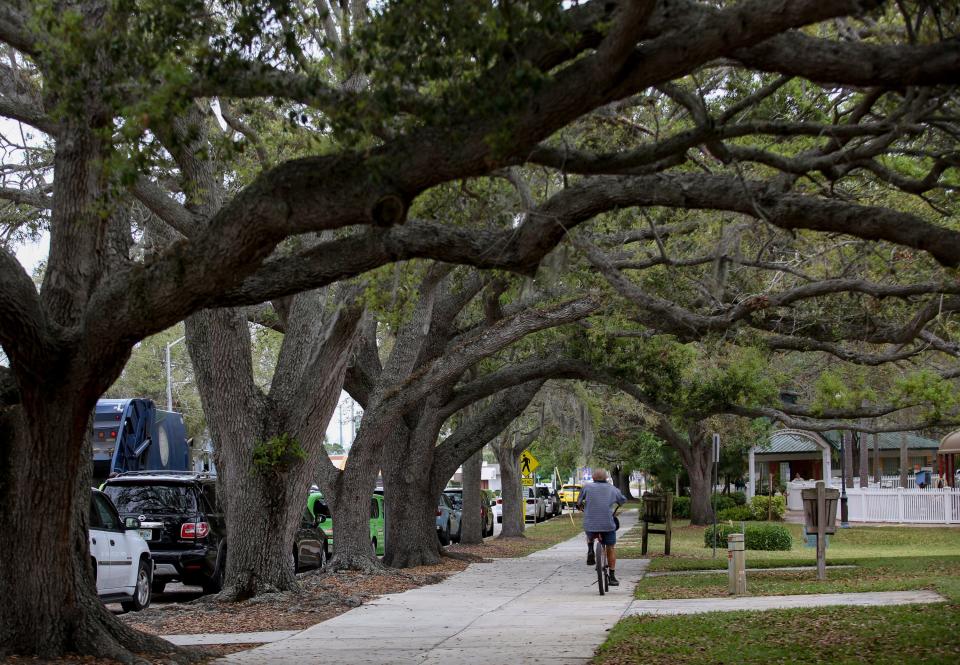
[
  {"x": 438, "y": 512},
  {"x": 194, "y": 530},
  {"x": 499, "y": 501}
]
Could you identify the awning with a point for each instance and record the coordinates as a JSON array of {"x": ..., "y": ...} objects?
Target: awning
[{"x": 950, "y": 444}]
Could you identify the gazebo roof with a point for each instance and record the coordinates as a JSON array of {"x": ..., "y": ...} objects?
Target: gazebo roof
[
  {"x": 950, "y": 443},
  {"x": 789, "y": 441}
]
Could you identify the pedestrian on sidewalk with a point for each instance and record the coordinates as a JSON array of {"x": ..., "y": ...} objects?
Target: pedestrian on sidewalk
[{"x": 596, "y": 501}]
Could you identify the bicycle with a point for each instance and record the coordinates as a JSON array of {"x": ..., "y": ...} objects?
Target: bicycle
[{"x": 600, "y": 554}]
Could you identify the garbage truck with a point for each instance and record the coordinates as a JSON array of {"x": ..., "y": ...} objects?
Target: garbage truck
[{"x": 134, "y": 435}]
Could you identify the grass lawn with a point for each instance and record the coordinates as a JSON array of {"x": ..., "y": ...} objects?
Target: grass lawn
[
  {"x": 876, "y": 635},
  {"x": 887, "y": 559},
  {"x": 536, "y": 537}
]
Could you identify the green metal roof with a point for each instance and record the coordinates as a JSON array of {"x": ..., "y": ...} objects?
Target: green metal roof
[
  {"x": 890, "y": 441},
  {"x": 789, "y": 442}
]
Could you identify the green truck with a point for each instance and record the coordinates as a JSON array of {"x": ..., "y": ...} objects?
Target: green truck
[{"x": 318, "y": 508}]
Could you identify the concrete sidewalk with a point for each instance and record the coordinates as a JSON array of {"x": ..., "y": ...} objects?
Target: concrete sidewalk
[
  {"x": 537, "y": 609},
  {"x": 863, "y": 599}
]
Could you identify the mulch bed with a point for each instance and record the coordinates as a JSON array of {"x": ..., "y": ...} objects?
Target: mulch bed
[{"x": 323, "y": 596}]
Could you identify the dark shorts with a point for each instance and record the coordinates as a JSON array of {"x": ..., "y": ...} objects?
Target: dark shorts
[{"x": 606, "y": 537}]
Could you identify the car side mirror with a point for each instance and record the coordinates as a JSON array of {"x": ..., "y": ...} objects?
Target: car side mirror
[{"x": 131, "y": 523}]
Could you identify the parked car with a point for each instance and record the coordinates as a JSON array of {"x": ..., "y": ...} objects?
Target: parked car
[
  {"x": 569, "y": 495},
  {"x": 182, "y": 522},
  {"x": 535, "y": 507},
  {"x": 486, "y": 513},
  {"x": 498, "y": 508},
  {"x": 318, "y": 508},
  {"x": 122, "y": 565},
  {"x": 551, "y": 500},
  {"x": 448, "y": 520}
]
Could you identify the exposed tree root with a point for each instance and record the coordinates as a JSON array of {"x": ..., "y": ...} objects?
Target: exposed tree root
[
  {"x": 461, "y": 556},
  {"x": 358, "y": 562},
  {"x": 111, "y": 639}
]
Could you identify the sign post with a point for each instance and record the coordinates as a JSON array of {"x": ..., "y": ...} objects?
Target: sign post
[{"x": 528, "y": 464}]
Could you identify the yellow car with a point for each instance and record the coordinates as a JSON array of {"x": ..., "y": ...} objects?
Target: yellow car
[{"x": 569, "y": 494}]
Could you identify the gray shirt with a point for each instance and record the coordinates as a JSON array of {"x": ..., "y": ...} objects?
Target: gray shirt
[{"x": 597, "y": 500}]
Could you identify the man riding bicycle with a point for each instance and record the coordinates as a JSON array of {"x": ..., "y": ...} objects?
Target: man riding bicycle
[{"x": 596, "y": 501}]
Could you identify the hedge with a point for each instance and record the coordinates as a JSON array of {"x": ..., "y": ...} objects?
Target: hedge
[
  {"x": 723, "y": 501},
  {"x": 681, "y": 507},
  {"x": 739, "y": 497},
  {"x": 735, "y": 514},
  {"x": 755, "y": 536},
  {"x": 759, "y": 507}
]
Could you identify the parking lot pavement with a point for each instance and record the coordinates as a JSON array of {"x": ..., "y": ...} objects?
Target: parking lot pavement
[{"x": 537, "y": 609}]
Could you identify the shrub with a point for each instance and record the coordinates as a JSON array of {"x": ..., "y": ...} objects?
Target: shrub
[
  {"x": 739, "y": 497},
  {"x": 681, "y": 507},
  {"x": 723, "y": 501},
  {"x": 735, "y": 514},
  {"x": 759, "y": 507},
  {"x": 768, "y": 537},
  {"x": 722, "y": 531},
  {"x": 755, "y": 536}
]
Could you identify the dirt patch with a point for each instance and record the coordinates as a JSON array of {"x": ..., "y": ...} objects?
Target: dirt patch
[{"x": 323, "y": 596}]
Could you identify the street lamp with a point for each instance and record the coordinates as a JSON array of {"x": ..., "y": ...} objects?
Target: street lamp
[{"x": 169, "y": 374}]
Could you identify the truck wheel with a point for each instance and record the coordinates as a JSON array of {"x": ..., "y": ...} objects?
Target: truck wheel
[{"x": 141, "y": 590}]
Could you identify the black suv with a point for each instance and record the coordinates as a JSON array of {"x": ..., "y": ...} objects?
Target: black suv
[{"x": 182, "y": 522}]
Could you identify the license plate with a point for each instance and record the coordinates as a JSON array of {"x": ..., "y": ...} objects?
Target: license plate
[{"x": 146, "y": 534}]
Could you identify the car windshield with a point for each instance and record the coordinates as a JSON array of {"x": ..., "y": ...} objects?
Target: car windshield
[
  {"x": 140, "y": 498},
  {"x": 571, "y": 487}
]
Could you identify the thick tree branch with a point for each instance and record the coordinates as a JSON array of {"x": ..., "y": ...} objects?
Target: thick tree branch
[{"x": 855, "y": 63}]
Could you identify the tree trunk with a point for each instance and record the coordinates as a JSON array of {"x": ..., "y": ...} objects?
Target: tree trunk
[
  {"x": 473, "y": 524},
  {"x": 622, "y": 481},
  {"x": 848, "y": 458},
  {"x": 50, "y": 606},
  {"x": 701, "y": 510},
  {"x": 348, "y": 496},
  {"x": 514, "y": 510},
  {"x": 256, "y": 503},
  {"x": 410, "y": 496},
  {"x": 864, "y": 461},
  {"x": 903, "y": 460},
  {"x": 877, "y": 467}
]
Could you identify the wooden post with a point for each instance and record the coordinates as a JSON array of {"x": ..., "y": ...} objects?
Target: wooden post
[
  {"x": 848, "y": 457},
  {"x": 821, "y": 531}
]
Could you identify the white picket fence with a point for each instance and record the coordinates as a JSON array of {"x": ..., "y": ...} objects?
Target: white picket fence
[{"x": 905, "y": 506}]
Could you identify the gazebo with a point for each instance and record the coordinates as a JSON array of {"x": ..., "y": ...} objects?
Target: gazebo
[
  {"x": 792, "y": 452},
  {"x": 946, "y": 457}
]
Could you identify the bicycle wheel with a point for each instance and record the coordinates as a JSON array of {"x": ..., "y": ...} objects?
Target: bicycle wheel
[{"x": 600, "y": 555}]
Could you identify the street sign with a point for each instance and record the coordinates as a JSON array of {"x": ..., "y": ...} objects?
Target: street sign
[
  {"x": 528, "y": 463},
  {"x": 526, "y": 481}
]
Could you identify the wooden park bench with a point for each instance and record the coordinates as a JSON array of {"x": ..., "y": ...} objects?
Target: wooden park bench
[{"x": 657, "y": 509}]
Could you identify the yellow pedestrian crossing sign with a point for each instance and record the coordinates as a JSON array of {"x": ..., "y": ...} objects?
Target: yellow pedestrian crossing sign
[{"x": 528, "y": 463}]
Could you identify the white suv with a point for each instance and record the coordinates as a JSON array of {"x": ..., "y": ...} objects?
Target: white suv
[{"x": 120, "y": 556}]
